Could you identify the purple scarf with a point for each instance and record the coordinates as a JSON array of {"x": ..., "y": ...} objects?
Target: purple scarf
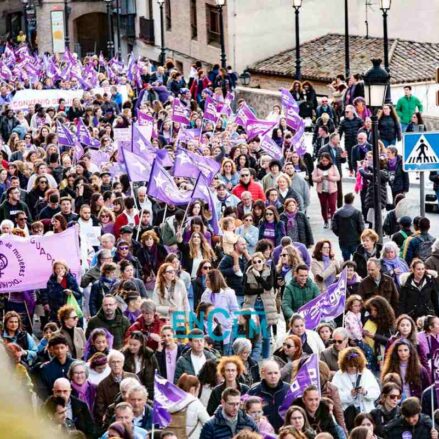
[
  {"x": 326, "y": 263},
  {"x": 86, "y": 393},
  {"x": 391, "y": 164},
  {"x": 291, "y": 224}
]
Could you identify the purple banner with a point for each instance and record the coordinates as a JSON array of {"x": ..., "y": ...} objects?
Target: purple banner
[
  {"x": 210, "y": 111},
  {"x": 138, "y": 168},
  {"x": 26, "y": 263},
  {"x": 189, "y": 164},
  {"x": 329, "y": 304},
  {"x": 271, "y": 147},
  {"x": 179, "y": 113},
  {"x": 258, "y": 127},
  {"x": 243, "y": 115},
  {"x": 307, "y": 375},
  {"x": 288, "y": 101}
]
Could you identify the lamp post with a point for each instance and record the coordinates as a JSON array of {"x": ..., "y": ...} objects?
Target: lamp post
[
  {"x": 220, "y": 4},
  {"x": 66, "y": 25},
  {"x": 119, "y": 49},
  {"x": 376, "y": 81},
  {"x": 26, "y": 26},
  {"x": 110, "y": 44},
  {"x": 162, "y": 34},
  {"x": 245, "y": 78},
  {"x": 297, "y": 4},
  {"x": 347, "y": 67},
  {"x": 385, "y": 8}
]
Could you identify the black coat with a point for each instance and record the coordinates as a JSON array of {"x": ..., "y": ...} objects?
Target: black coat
[
  {"x": 161, "y": 359},
  {"x": 215, "y": 396},
  {"x": 303, "y": 231},
  {"x": 434, "y": 177},
  {"x": 398, "y": 426},
  {"x": 338, "y": 158},
  {"x": 382, "y": 418},
  {"x": 389, "y": 129},
  {"x": 82, "y": 418},
  {"x": 350, "y": 127},
  {"x": 398, "y": 179},
  {"x": 367, "y": 174},
  {"x": 348, "y": 225},
  {"x": 417, "y": 303},
  {"x": 360, "y": 258},
  {"x": 98, "y": 290}
]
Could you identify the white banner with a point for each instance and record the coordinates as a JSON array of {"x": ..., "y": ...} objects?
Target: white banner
[{"x": 47, "y": 98}]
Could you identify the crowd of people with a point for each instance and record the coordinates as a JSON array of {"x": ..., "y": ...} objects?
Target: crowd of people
[{"x": 90, "y": 348}]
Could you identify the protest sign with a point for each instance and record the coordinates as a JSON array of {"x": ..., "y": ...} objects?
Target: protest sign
[{"x": 23, "y": 99}]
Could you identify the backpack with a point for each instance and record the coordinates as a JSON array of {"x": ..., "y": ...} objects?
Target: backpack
[
  {"x": 178, "y": 423},
  {"x": 405, "y": 236},
  {"x": 424, "y": 248}
]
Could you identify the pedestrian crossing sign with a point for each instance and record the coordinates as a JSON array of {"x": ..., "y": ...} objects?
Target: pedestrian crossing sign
[{"x": 421, "y": 151}]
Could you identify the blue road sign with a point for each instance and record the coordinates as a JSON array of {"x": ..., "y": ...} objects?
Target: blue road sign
[{"x": 420, "y": 151}]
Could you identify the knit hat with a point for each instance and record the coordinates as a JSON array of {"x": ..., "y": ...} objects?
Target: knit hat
[{"x": 405, "y": 221}]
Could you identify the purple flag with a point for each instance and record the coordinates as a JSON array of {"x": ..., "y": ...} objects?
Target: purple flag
[
  {"x": 160, "y": 416},
  {"x": 258, "y": 127},
  {"x": 144, "y": 118},
  {"x": 243, "y": 115},
  {"x": 65, "y": 137},
  {"x": 138, "y": 168},
  {"x": 162, "y": 186},
  {"x": 329, "y": 304},
  {"x": 202, "y": 192},
  {"x": 307, "y": 375},
  {"x": 84, "y": 135},
  {"x": 140, "y": 144},
  {"x": 294, "y": 121},
  {"x": 300, "y": 147},
  {"x": 179, "y": 113},
  {"x": 210, "y": 111},
  {"x": 189, "y": 164},
  {"x": 98, "y": 157},
  {"x": 271, "y": 147},
  {"x": 288, "y": 100}
]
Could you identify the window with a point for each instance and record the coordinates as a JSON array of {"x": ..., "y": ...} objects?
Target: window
[
  {"x": 194, "y": 30},
  {"x": 168, "y": 18},
  {"x": 213, "y": 25}
]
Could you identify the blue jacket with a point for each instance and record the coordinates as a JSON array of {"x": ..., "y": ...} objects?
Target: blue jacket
[
  {"x": 217, "y": 428},
  {"x": 279, "y": 231},
  {"x": 49, "y": 372},
  {"x": 272, "y": 400}
]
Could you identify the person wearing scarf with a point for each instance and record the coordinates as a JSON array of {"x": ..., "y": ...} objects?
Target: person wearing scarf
[
  {"x": 81, "y": 388},
  {"x": 102, "y": 286},
  {"x": 323, "y": 265},
  {"x": 392, "y": 264}
]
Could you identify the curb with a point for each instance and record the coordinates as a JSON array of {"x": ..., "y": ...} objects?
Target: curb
[{"x": 413, "y": 184}]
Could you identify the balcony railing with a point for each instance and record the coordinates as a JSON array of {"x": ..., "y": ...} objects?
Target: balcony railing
[{"x": 147, "y": 30}]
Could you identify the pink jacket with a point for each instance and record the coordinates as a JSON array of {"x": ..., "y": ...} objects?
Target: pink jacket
[{"x": 333, "y": 177}]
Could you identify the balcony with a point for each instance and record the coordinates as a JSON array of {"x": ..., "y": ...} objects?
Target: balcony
[{"x": 147, "y": 30}]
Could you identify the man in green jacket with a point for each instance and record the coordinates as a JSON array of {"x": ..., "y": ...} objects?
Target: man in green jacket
[
  {"x": 407, "y": 106},
  {"x": 298, "y": 292}
]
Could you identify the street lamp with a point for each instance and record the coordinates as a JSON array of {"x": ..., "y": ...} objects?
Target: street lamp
[
  {"x": 66, "y": 25},
  {"x": 110, "y": 44},
  {"x": 385, "y": 8},
  {"x": 162, "y": 34},
  {"x": 297, "y": 4},
  {"x": 26, "y": 27},
  {"x": 245, "y": 78},
  {"x": 220, "y": 4},
  {"x": 376, "y": 81},
  {"x": 119, "y": 49}
]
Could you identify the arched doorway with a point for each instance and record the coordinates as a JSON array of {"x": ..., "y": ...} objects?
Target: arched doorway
[{"x": 91, "y": 33}]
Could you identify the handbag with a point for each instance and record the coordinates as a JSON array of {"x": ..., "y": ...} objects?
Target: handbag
[{"x": 71, "y": 300}]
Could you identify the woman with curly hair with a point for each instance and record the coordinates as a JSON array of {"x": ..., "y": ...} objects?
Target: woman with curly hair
[
  {"x": 403, "y": 360},
  {"x": 229, "y": 368},
  {"x": 379, "y": 327},
  {"x": 170, "y": 293},
  {"x": 228, "y": 174},
  {"x": 324, "y": 266},
  {"x": 194, "y": 251},
  {"x": 151, "y": 255},
  {"x": 68, "y": 319},
  {"x": 356, "y": 384}
]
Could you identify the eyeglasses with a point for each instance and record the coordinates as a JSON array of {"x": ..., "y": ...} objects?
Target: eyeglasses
[
  {"x": 245, "y": 175},
  {"x": 22, "y": 218},
  {"x": 207, "y": 267},
  {"x": 43, "y": 181},
  {"x": 269, "y": 214},
  {"x": 284, "y": 255},
  {"x": 74, "y": 317},
  {"x": 170, "y": 271},
  {"x": 394, "y": 396},
  {"x": 259, "y": 261},
  {"x": 339, "y": 341},
  {"x": 248, "y": 220},
  {"x": 124, "y": 248},
  {"x": 289, "y": 346}
]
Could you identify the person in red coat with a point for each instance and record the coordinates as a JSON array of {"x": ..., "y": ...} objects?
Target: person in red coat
[
  {"x": 129, "y": 216},
  {"x": 149, "y": 323},
  {"x": 246, "y": 183}
]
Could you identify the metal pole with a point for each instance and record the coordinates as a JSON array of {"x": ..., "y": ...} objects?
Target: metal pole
[
  {"x": 119, "y": 50},
  {"x": 346, "y": 40},
  {"x": 162, "y": 34},
  {"x": 386, "y": 55},
  {"x": 422, "y": 192},
  {"x": 26, "y": 27},
  {"x": 110, "y": 44},
  {"x": 376, "y": 179},
  {"x": 298, "y": 73},
  {"x": 66, "y": 25},
  {"x": 223, "y": 47}
]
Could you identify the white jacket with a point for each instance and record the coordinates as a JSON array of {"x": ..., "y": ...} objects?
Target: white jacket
[
  {"x": 178, "y": 299},
  {"x": 314, "y": 341},
  {"x": 368, "y": 382},
  {"x": 196, "y": 415}
]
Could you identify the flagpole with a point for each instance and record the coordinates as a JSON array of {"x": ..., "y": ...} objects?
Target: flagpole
[
  {"x": 140, "y": 223},
  {"x": 165, "y": 212},
  {"x": 132, "y": 135},
  {"x": 433, "y": 389},
  {"x": 187, "y": 208}
]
